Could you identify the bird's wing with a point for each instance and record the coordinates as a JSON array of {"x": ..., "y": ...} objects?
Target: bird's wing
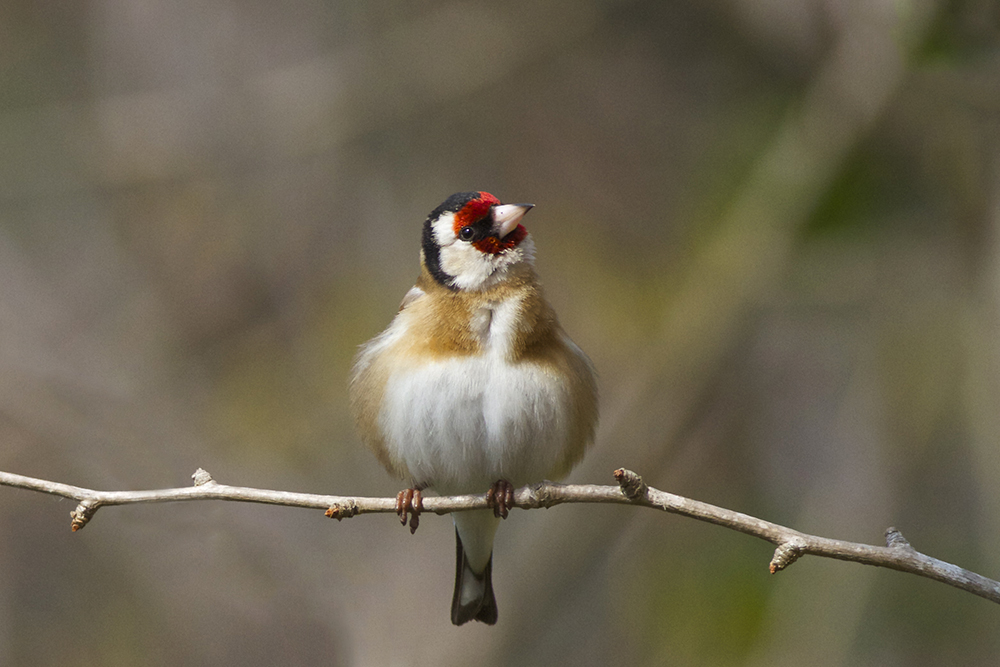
[{"x": 411, "y": 296}]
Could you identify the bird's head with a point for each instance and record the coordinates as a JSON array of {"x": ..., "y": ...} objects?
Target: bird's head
[{"x": 472, "y": 241}]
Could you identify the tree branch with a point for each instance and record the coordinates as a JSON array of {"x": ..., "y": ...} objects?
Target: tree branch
[{"x": 631, "y": 490}]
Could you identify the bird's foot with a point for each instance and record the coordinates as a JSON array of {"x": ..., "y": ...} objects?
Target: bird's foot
[
  {"x": 501, "y": 498},
  {"x": 409, "y": 505}
]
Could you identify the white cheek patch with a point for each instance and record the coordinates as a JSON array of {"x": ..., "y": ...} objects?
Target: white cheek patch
[
  {"x": 472, "y": 269},
  {"x": 444, "y": 230},
  {"x": 467, "y": 267}
]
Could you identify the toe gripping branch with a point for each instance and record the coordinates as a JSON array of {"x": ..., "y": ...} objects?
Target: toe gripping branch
[
  {"x": 409, "y": 505},
  {"x": 501, "y": 498}
]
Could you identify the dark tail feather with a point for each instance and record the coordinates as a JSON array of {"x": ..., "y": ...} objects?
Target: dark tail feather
[{"x": 476, "y": 589}]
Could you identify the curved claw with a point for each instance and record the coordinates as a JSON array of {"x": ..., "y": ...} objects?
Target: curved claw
[
  {"x": 501, "y": 498},
  {"x": 409, "y": 505}
]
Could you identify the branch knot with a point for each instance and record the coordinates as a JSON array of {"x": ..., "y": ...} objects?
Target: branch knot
[
  {"x": 541, "y": 495},
  {"x": 631, "y": 484},
  {"x": 201, "y": 477},
  {"x": 895, "y": 540}
]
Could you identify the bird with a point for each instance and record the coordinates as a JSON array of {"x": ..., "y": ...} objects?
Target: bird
[{"x": 474, "y": 386}]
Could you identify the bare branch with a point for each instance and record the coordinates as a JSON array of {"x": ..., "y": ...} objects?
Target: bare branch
[{"x": 631, "y": 490}]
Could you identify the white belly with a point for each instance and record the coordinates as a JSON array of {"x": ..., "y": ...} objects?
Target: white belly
[{"x": 461, "y": 424}]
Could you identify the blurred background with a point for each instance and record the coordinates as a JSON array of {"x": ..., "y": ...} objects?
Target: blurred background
[{"x": 774, "y": 225}]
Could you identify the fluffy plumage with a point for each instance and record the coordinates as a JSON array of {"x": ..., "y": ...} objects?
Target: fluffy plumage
[{"x": 474, "y": 381}]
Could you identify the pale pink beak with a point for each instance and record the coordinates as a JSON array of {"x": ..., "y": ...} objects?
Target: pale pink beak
[{"x": 507, "y": 217}]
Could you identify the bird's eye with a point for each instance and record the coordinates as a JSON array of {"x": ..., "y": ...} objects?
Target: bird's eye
[{"x": 466, "y": 233}]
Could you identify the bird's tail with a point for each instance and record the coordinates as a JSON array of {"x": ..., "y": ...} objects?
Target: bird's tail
[{"x": 473, "y": 599}]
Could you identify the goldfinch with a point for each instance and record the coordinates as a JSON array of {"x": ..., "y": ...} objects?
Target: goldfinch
[{"x": 474, "y": 387}]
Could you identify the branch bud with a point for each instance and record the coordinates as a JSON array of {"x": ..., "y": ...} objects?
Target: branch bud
[
  {"x": 786, "y": 554},
  {"x": 83, "y": 513},
  {"x": 631, "y": 484},
  {"x": 346, "y": 511},
  {"x": 201, "y": 477}
]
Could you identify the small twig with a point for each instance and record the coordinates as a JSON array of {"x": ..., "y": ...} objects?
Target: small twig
[{"x": 791, "y": 544}]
